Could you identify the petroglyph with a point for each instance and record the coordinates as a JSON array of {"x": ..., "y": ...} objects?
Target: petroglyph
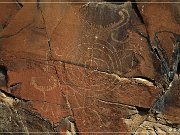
[{"x": 44, "y": 88}]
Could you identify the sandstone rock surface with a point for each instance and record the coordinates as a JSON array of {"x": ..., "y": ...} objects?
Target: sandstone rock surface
[{"x": 90, "y": 68}]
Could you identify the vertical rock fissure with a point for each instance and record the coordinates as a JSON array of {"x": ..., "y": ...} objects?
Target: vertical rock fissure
[
  {"x": 178, "y": 69},
  {"x": 20, "y": 4},
  {"x": 3, "y": 76},
  {"x": 135, "y": 7},
  {"x": 50, "y": 57}
]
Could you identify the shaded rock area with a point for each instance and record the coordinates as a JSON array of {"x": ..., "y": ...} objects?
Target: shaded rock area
[
  {"x": 17, "y": 117},
  {"x": 79, "y": 67}
]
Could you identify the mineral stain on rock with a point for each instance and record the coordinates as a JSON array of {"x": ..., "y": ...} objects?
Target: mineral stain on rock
[{"x": 90, "y": 67}]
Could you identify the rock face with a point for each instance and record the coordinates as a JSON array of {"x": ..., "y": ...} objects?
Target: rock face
[
  {"x": 17, "y": 117},
  {"x": 90, "y": 68}
]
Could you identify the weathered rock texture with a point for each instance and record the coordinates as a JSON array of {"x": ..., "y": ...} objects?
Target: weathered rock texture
[
  {"x": 91, "y": 68},
  {"x": 17, "y": 117}
]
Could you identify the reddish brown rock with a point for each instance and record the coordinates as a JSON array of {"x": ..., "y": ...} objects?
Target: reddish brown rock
[
  {"x": 89, "y": 67},
  {"x": 160, "y": 20},
  {"x": 8, "y": 11},
  {"x": 89, "y": 93},
  {"x": 106, "y": 87},
  {"x": 53, "y": 15},
  {"x": 163, "y": 26},
  {"x": 25, "y": 38},
  {"x": 108, "y": 43},
  {"x": 172, "y": 100},
  {"x": 39, "y": 84},
  {"x": 78, "y": 84}
]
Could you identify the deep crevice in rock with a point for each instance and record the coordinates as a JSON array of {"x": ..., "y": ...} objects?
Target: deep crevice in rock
[
  {"x": 147, "y": 79},
  {"x": 38, "y": 5},
  {"x": 20, "y": 4},
  {"x": 13, "y": 96},
  {"x": 3, "y": 76},
  {"x": 142, "y": 110},
  {"x": 178, "y": 69},
  {"x": 135, "y": 7},
  {"x": 76, "y": 129},
  {"x": 117, "y": 2},
  {"x": 157, "y": 53}
]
